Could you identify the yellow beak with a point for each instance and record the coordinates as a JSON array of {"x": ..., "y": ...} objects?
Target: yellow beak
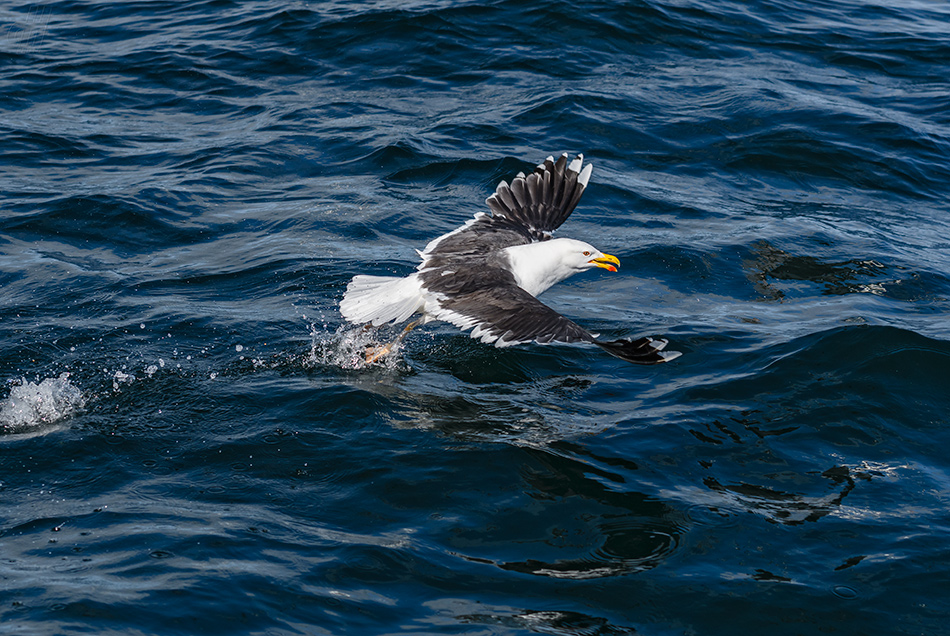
[{"x": 607, "y": 261}]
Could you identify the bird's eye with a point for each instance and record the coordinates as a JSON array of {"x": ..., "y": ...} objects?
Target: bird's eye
[{"x": 586, "y": 253}]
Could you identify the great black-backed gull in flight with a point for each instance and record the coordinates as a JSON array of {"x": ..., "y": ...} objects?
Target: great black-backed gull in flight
[{"x": 485, "y": 275}]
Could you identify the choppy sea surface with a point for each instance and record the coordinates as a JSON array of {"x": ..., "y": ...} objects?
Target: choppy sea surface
[{"x": 191, "y": 442}]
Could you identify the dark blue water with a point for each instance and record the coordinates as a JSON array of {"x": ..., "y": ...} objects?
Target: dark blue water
[{"x": 190, "y": 442}]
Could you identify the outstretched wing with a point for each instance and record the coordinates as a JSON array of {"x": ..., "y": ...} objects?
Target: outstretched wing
[
  {"x": 526, "y": 211},
  {"x": 507, "y": 315}
]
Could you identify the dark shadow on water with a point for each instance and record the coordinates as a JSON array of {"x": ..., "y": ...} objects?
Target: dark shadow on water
[
  {"x": 550, "y": 622},
  {"x": 772, "y": 270},
  {"x": 784, "y": 507},
  {"x": 581, "y": 521}
]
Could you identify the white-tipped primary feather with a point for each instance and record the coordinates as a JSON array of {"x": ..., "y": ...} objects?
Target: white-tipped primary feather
[
  {"x": 575, "y": 165},
  {"x": 584, "y": 176}
]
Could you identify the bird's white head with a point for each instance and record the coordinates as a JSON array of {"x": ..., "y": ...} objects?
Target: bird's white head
[
  {"x": 537, "y": 266},
  {"x": 581, "y": 256}
]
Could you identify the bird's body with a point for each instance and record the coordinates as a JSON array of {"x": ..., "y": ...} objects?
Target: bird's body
[{"x": 485, "y": 275}]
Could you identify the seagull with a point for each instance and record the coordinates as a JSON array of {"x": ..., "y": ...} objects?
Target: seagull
[{"x": 486, "y": 275}]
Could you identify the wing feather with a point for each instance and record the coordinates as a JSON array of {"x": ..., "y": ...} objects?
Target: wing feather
[
  {"x": 520, "y": 192},
  {"x": 543, "y": 200},
  {"x": 503, "y": 191},
  {"x": 533, "y": 186}
]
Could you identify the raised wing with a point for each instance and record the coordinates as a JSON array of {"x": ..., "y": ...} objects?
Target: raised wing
[
  {"x": 527, "y": 210},
  {"x": 542, "y": 201}
]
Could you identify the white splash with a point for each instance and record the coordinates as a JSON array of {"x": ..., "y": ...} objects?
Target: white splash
[
  {"x": 347, "y": 347},
  {"x": 30, "y": 405}
]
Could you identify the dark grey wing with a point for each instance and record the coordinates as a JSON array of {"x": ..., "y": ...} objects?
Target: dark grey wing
[
  {"x": 503, "y": 314},
  {"x": 481, "y": 236},
  {"x": 542, "y": 201},
  {"x": 498, "y": 311}
]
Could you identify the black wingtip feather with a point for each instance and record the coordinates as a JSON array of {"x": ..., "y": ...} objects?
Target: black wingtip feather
[{"x": 642, "y": 351}]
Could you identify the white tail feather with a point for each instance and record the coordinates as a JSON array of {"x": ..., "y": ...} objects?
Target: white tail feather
[{"x": 381, "y": 299}]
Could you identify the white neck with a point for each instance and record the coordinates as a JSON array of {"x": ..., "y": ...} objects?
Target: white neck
[{"x": 536, "y": 266}]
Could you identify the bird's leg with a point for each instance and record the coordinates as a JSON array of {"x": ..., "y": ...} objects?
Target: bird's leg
[{"x": 374, "y": 353}]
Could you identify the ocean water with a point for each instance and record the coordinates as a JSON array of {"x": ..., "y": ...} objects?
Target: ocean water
[{"x": 191, "y": 442}]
